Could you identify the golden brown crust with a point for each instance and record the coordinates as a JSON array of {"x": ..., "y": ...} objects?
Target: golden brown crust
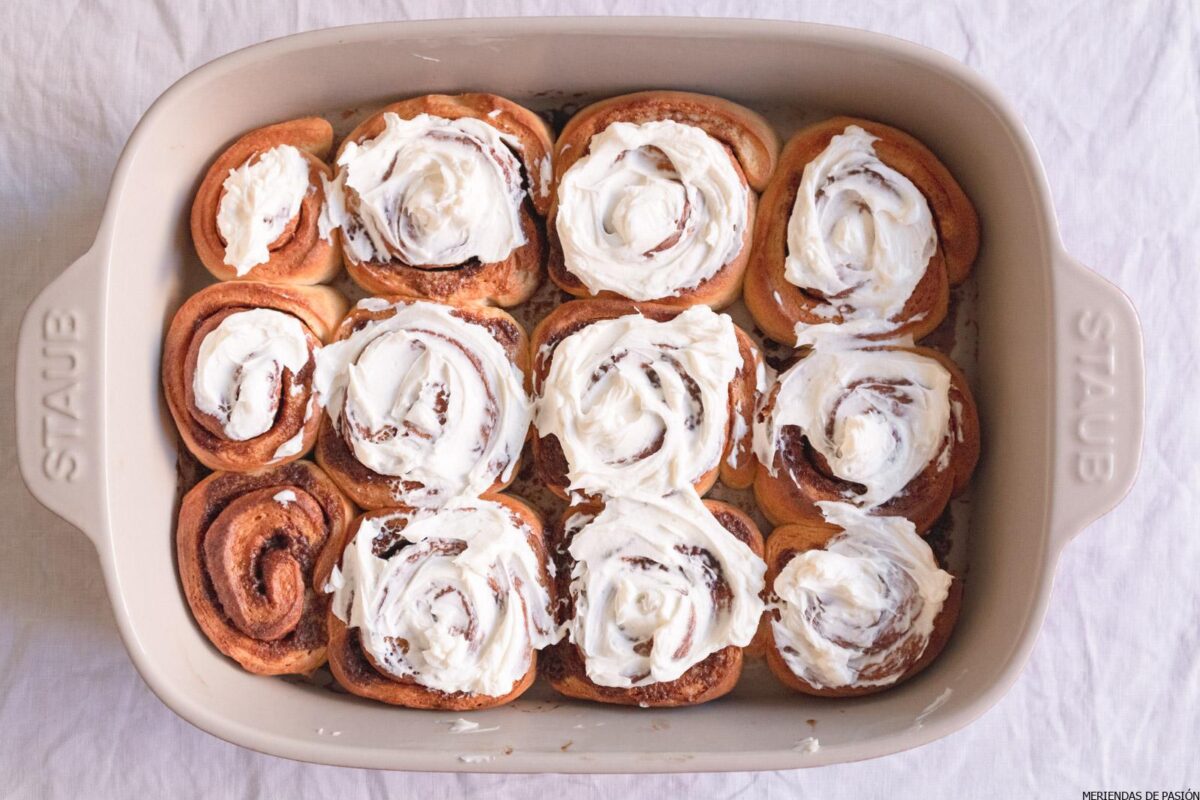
[
  {"x": 792, "y": 493},
  {"x": 351, "y": 665},
  {"x": 247, "y": 561},
  {"x": 368, "y": 488},
  {"x": 783, "y": 545},
  {"x": 300, "y": 256},
  {"x": 563, "y": 664},
  {"x": 747, "y": 137},
  {"x": 777, "y": 305},
  {"x": 501, "y": 283},
  {"x": 317, "y": 307},
  {"x": 548, "y": 458}
]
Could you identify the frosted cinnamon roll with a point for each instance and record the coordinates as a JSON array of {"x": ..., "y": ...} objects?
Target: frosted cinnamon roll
[
  {"x": 439, "y": 197},
  {"x": 255, "y": 216},
  {"x": 441, "y": 609},
  {"x": 237, "y": 371},
  {"x": 248, "y": 545},
  {"x": 890, "y": 430},
  {"x": 425, "y": 403},
  {"x": 640, "y": 399},
  {"x": 657, "y": 597},
  {"x": 856, "y": 605},
  {"x": 654, "y": 198},
  {"x": 862, "y": 228}
]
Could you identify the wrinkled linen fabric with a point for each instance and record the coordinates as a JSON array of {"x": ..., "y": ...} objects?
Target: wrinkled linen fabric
[{"x": 1111, "y": 696}]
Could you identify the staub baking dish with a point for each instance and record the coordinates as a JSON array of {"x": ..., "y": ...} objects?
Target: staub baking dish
[{"x": 1059, "y": 383}]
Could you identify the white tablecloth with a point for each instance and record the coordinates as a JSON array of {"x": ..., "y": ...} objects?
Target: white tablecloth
[{"x": 1111, "y": 697}]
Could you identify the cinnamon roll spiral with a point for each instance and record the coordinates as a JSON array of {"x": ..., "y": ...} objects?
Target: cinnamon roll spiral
[
  {"x": 890, "y": 430},
  {"x": 862, "y": 228},
  {"x": 237, "y": 371},
  {"x": 855, "y": 606},
  {"x": 654, "y": 198},
  {"x": 426, "y": 403},
  {"x": 657, "y": 598},
  {"x": 438, "y": 197},
  {"x": 256, "y": 214},
  {"x": 441, "y": 609},
  {"x": 248, "y": 545},
  {"x": 639, "y": 399}
]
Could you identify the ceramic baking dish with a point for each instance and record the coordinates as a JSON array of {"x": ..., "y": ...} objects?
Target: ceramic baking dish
[{"x": 1059, "y": 384}]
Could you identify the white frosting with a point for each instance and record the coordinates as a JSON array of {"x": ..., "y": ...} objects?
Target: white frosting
[
  {"x": 860, "y": 233},
  {"x": 429, "y": 191},
  {"x": 465, "y": 594},
  {"x": 239, "y": 369},
  {"x": 642, "y": 586},
  {"x": 890, "y": 413},
  {"x": 651, "y": 210},
  {"x": 428, "y": 398},
  {"x": 618, "y": 387},
  {"x": 259, "y": 199},
  {"x": 849, "y": 613},
  {"x": 284, "y": 497}
]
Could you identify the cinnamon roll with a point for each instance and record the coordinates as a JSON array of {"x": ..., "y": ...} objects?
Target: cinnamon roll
[
  {"x": 256, "y": 214},
  {"x": 441, "y": 609},
  {"x": 891, "y": 430},
  {"x": 657, "y": 597},
  {"x": 248, "y": 544},
  {"x": 641, "y": 399},
  {"x": 425, "y": 403},
  {"x": 237, "y": 371},
  {"x": 655, "y": 198},
  {"x": 856, "y": 605},
  {"x": 439, "y": 197},
  {"x": 862, "y": 228}
]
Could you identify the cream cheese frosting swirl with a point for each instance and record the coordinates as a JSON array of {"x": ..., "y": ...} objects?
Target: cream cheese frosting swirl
[
  {"x": 860, "y": 234},
  {"x": 429, "y": 191},
  {"x": 240, "y": 366},
  {"x": 877, "y": 417},
  {"x": 455, "y": 600},
  {"x": 860, "y": 611},
  {"x": 658, "y": 585},
  {"x": 653, "y": 209},
  {"x": 641, "y": 407},
  {"x": 259, "y": 200},
  {"x": 427, "y": 397}
]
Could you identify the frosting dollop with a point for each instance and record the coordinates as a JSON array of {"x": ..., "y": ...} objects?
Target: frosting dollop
[
  {"x": 860, "y": 234},
  {"x": 653, "y": 209},
  {"x": 258, "y": 201},
  {"x": 428, "y": 397},
  {"x": 658, "y": 585},
  {"x": 429, "y": 191},
  {"x": 877, "y": 417},
  {"x": 239, "y": 369},
  {"x": 641, "y": 407},
  {"x": 860, "y": 611},
  {"x": 455, "y": 599}
]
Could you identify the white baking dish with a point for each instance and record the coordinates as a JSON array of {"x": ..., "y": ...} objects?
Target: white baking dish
[{"x": 1059, "y": 379}]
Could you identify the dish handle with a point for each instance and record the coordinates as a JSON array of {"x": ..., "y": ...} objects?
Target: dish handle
[
  {"x": 1100, "y": 388},
  {"x": 59, "y": 397}
]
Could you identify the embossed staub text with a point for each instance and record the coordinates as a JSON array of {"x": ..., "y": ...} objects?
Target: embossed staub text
[
  {"x": 61, "y": 395},
  {"x": 1094, "y": 426}
]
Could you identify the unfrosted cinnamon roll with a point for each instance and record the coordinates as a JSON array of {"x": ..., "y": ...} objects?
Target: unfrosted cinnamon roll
[
  {"x": 439, "y": 197},
  {"x": 441, "y": 609},
  {"x": 425, "y": 403},
  {"x": 237, "y": 371},
  {"x": 862, "y": 228},
  {"x": 654, "y": 198},
  {"x": 248, "y": 544},
  {"x": 657, "y": 598},
  {"x": 255, "y": 216},
  {"x": 641, "y": 398},
  {"x": 891, "y": 430},
  {"x": 856, "y": 605}
]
